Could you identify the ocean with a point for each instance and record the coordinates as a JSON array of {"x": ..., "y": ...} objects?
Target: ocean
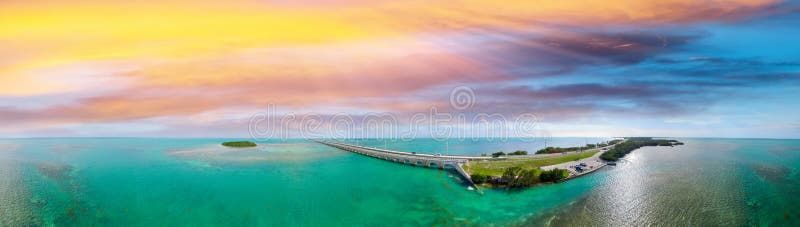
[{"x": 197, "y": 182}]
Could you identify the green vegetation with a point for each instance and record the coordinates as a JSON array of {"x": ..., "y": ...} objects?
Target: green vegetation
[
  {"x": 609, "y": 143},
  {"x": 518, "y": 177},
  {"x": 631, "y": 144},
  {"x": 498, "y": 154},
  {"x": 479, "y": 178},
  {"x": 521, "y": 172},
  {"x": 511, "y": 173},
  {"x": 239, "y": 144},
  {"x": 552, "y": 150},
  {"x": 553, "y": 175},
  {"x": 497, "y": 167}
]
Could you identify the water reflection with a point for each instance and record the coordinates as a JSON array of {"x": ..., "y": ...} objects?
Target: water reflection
[{"x": 703, "y": 183}]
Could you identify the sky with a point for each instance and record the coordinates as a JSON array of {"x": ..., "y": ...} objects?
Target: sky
[{"x": 173, "y": 68}]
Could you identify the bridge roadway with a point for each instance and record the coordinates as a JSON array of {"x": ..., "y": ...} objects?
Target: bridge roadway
[{"x": 425, "y": 160}]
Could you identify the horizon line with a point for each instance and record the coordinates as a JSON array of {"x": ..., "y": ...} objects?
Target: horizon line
[{"x": 294, "y": 138}]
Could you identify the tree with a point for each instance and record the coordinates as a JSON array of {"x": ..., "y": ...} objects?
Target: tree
[
  {"x": 609, "y": 156},
  {"x": 553, "y": 175},
  {"x": 478, "y": 178},
  {"x": 511, "y": 173},
  {"x": 239, "y": 144},
  {"x": 622, "y": 149},
  {"x": 518, "y": 153},
  {"x": 526, "y": 178},
  {"x": 548, "y": 150},
  {"x": 498, "y": 154}
]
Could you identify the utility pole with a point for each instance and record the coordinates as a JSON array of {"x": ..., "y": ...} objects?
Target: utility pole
[{"x": 585, "y": 141}]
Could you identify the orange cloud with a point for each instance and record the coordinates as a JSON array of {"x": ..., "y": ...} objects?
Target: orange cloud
[
  {"x": 287, "y": 77},
  {"x": 50, "y": 33},
  {"x": 187, "y": 57}
]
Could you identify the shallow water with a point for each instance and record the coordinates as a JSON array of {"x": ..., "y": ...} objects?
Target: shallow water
[
  {"x": 707, "y": 182},
  {"x": 196, "y": 182}
]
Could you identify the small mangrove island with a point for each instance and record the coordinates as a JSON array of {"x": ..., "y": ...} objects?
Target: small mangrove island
[{"x": 239, "y": 144}]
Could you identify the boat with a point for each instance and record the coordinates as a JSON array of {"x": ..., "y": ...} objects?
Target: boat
[
  {"x": 612, "y": 163},
  {"x": 470, "y": 188}
]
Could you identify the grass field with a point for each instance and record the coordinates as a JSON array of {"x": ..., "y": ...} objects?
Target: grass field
[{"x": 496, "y": 167}]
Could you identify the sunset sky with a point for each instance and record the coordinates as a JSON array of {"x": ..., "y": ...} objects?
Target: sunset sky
[{"x": 175, "y": 68}]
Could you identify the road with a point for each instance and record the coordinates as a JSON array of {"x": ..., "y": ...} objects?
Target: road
[{"x": 592, "y": 163}]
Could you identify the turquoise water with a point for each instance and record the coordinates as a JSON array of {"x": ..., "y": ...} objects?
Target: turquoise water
[{"x": 196, "y": 182}]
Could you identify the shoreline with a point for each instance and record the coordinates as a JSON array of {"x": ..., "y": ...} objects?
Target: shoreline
[
  {"x": 592, "y": 163},
  {"x": 584, "y": 166},
  {"x": 573, "y": 174}
]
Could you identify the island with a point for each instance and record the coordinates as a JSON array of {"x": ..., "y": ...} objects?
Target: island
[
  {"x": 239, "y": 144},
  {"x": 522, "y": 171},
  {"x": 554, "y": 164},
  {"x": 516, "y": 169},
  {"x": 551, "y": 150},
  {"x": 634, "y": 143}
]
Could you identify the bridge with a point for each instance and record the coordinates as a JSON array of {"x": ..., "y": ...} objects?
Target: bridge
[{"x": 412, "y": 158}]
